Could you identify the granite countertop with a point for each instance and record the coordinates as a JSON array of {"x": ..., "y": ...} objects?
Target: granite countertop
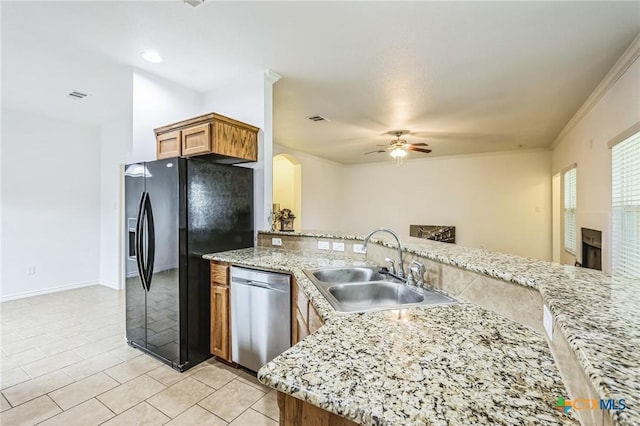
[
  {"x": 459, "y": 364},
  {"x": 598, "y": 314}
]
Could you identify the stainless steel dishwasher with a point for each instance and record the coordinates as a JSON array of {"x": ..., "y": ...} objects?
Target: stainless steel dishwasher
[{"x": 260, "y": 316}]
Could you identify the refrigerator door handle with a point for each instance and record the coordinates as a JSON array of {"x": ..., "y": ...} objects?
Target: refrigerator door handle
[
  {"x": 151, "y": 242},
  {"x": 138, "y": 242}
]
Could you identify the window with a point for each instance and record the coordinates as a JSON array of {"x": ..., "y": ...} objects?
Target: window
[
  {"x": 625, "y": 197},
  {"x": 569, "y": 188}
]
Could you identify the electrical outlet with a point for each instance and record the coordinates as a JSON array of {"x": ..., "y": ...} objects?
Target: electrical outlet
[
  {"x": 323, "y": 245},
  {"x": 31, "y": 270},
  {"x": 338, "y": 246},
  {"x": 276, "y": 241},
  {"x": 359, "y": 248},
  {"x": 547, "y": 321}
]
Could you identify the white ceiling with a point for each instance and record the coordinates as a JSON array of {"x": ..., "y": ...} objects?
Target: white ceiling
[{"x": 464, "y": 76}]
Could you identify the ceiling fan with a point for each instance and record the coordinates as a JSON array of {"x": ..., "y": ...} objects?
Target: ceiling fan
[{"x": 398, "y": 148}]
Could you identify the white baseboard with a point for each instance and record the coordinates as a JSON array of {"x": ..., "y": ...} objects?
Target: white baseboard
[
  {"x": 114, "y": 286},
  {"x": 47, "y": 290}
]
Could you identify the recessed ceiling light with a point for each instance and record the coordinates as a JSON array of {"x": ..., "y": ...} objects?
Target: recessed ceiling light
[{"x": 151, "y": 56}]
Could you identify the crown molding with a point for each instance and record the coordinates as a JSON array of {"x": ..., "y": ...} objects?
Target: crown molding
[
  {"x": 626, "y": 60},
  {"x": 271, "y": 76}
]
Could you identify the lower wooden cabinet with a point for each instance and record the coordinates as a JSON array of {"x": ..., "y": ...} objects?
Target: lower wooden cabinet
[
  {"x": 305, "y": 318},
  {"x": 220, "y": 318},
  {"x": 295, "y": 412},
  {"x": 220, "y": 322}
]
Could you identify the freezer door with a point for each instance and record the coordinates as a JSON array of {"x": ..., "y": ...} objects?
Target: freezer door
[
  {"x": 163, "y": 282},
  {"x": 134, "y": 190}
]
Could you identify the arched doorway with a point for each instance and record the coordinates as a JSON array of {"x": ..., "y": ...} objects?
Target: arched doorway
[{"x": 287, "y": 186}]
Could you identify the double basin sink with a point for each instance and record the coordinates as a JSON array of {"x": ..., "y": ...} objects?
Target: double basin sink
[{"x": 363, "y": 289}]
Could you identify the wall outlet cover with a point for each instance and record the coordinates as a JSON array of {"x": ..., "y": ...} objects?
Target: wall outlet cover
[
  {"x": 323, "y": 245},
  {"x": 276, "y": 241},
  {"x": 547, "y": 321},
  {"x": 359, "y": 248},
  {"x": 338, "y": 246}
]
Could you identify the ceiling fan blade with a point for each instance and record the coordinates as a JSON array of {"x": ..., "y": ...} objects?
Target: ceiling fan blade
[
  {"x": 419, "y": 144},
  {"x": 376, "y": 151},
  {"x": 411, "y": 148}
]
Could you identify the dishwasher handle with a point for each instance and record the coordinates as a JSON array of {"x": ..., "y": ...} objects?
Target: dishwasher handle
[
  {"x": 261, "y": 279},
  {"x": 266, "y": 286}
]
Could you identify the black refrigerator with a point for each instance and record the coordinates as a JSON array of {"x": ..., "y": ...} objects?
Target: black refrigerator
[{"x": 176, "y": 210}]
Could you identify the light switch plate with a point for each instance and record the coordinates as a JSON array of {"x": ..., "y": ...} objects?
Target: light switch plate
[
  {"x": 337, "y": 246},
  {"x": 359, "y": 248},
  {"x": 323, "y": 245},
  {"x": 547, "y": 321},
  {"x": 276, "y": 241}
]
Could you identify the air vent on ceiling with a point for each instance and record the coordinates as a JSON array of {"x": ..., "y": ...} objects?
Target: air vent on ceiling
[
  {"x": 317, "y": 118},
  {"x": 194, "y": 3},
  {"x": 77, "y": 95}
]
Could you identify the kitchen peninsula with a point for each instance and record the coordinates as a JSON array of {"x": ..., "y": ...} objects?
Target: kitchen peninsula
[{"x": 465, "y": 363}]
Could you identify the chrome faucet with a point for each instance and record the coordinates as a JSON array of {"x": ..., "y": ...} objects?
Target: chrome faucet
[{"x": 400, "y": 269}]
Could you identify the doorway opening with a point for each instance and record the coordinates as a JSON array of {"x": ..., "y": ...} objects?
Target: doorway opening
[{"x": 287, "y": 186}]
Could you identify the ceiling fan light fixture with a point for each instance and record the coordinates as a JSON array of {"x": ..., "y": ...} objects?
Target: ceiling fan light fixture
[{"x": 398, "y": 153}]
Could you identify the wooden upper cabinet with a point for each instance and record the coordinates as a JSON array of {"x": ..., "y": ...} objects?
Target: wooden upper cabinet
[
  {"x": 168, "y": 145},
  {"x": 222, "y": 138},
  {"x": 196, "y": 140}
]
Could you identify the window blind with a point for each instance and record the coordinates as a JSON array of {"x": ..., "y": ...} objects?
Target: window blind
[
  {"x": 625, "y": 197},
  {"x": 569, "y": 188}
]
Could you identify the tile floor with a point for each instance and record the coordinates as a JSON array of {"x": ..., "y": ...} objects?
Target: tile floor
[{"x": 64, "y": 361}]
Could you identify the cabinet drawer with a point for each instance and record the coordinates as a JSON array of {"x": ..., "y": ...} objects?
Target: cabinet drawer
[{"x": 220, "y": 274}]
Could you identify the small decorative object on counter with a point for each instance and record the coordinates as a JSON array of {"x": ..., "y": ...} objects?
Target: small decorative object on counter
[{"x": 286, "y": 218}]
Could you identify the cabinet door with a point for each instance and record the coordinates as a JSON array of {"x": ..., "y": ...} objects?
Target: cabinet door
[
  {"x": 301, "y": 329},
  {"x": 168, "y": 145},
  {"x": 220, "y": 321},
  {"x": 196, "y": 140},
  {"x": 315, "y": 322}
]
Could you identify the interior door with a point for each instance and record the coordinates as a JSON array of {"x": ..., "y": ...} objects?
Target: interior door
[
  {"x": 163, "y": 329},
  {"x": 134, "y": 188}
]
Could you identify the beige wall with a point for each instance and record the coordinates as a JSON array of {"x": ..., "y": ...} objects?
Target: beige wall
[
  {"x": 283, "y": 184},
  {"x": 611, "y": 110},
  {"x": 499, "y": 201},
  {"x": 322, "y": 191}
]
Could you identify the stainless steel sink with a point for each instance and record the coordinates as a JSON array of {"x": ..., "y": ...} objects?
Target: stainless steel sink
[
  {"x": 347, "y": 275},
  {"x": 362, "y": 289}
]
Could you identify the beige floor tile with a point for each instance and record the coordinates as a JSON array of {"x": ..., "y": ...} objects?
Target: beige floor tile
[
  {"x": 89, "y": 413},
  {"x": 12, "y": 348},
  {"x": 92, "y": 349},
  {"x": 268, "y": 405},
  {"x": 125, "y": 352},
  {"x": 142, "y": 414},
  {"x": 63, "y": 345},
  {"x": 214, "y": 376},
  {"x": 13, "y": 361},
  {"x": 179, "y": 397},
  {"x": 253, "y": 418},
  {"x": 106, "y": 331},
  {"x": 251, "y": 380},
  {"x": 91, "y": 366},
  {"x": 34, "y": 388},
  {"x": 131, "y": 393},
  {"x": 83, "y": 390},
  {"x": 51, "y": 363},
  {"x": 30, "y": 413},
  {"x": 169, "y": 376},
  {"x": 231, "y": 400},
  {"x": 13, "y": 377},
  {"x": 133, "y": 368},
  {"x": 4, "y": 404},
  {"x": 197, "y": 415}
]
